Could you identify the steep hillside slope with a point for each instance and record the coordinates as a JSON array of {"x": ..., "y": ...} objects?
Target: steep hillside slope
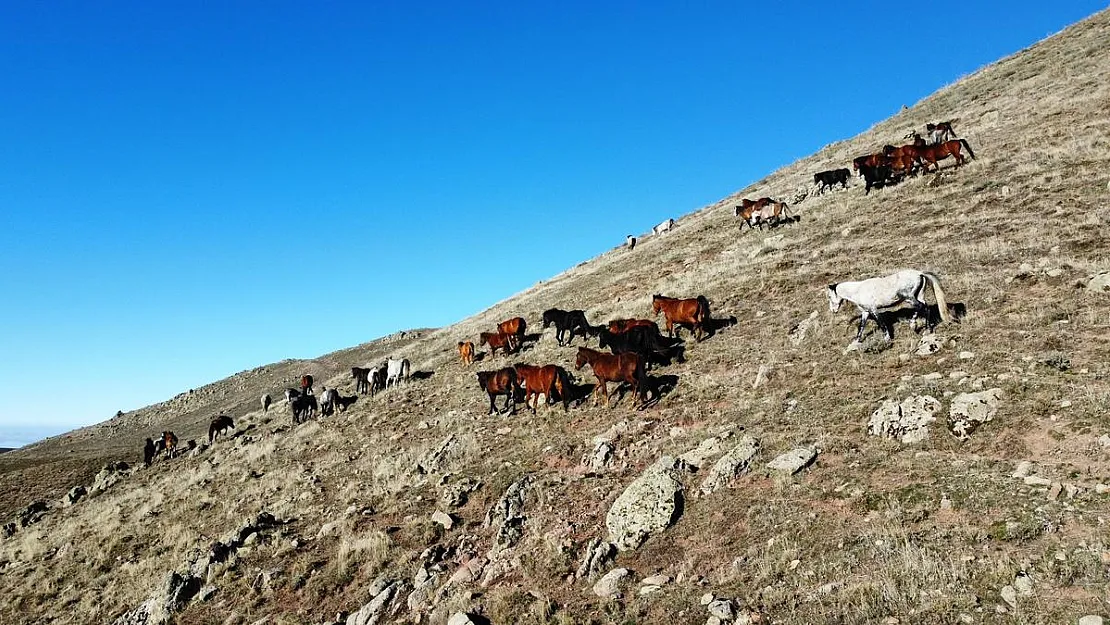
[{"x": 300, "y": 524}]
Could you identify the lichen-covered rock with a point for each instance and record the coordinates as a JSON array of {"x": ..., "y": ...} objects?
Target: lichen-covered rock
[
  {"x": 907, "y": 421},
  {"x": 970, "y": 410},
  {"x": 608, "y": 587},
  {"x": 649, "y": 505},
  {"x": 793, "y": 461},
  {"x": 730, "y": 465}
]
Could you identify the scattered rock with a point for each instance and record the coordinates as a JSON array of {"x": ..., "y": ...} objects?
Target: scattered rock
[
  {"x": 929, "y": 345},
  {"x": 33, "y": 513},
  {"x": 599, "y": 458},
  {"x": 761, "y": 376},
  {"x": 800, "y": 331},
  {"x": 793, "y": 461},
  {"x": 455, "y": 495},
  {"x": 1091, "y": 619},
  {"x": 1055, "y": 490},
  {"x": 373, "y": 612},
  {"x": 1009, "y": 595},
  {"x": 608, "y": 587},
  {"x": 459, "y": 618},
  {"x": 722, "y": 609},
  {"x": 74, "y": 495},
  {"x": 109, "y": 475},
  {"x": 444, "y": 519},
  {"x": 598, "y": 553},
  {"x": 1023, "y": 584},
  {"x": 1100, "y": 282},
  {"x": 730, "y": 465},
  {"x": 1023, "y": 470},
  {"x": 1036, "y": 480},
  {"x": 507, "y": 514},
  {"x": 965, "y": 355},
  {"x": 697, "y": 457},
  {"x": 655, "y": 580},
  {"x": 970, "y": 410},
  {"x": 907, "y": 421},
  {"x": 649, "y": 505}
]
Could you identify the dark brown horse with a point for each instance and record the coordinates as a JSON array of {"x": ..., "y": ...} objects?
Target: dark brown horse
[
  {"x": 930, "y": 154},
  {"x": 620, "y": 326},
  {"x": 219, "y": 425},
  {"x": 515, "y": 329},
  {"x": 628, "y": 368},
  {"x": 692, "y": 312},
  {"x": 500, "y": 382},
  {"x": 496, "y": 341},
  {"x": 466, "y": 352},
  {"x": 543, "y": 381},
  {"x": 361, "y": 376}
]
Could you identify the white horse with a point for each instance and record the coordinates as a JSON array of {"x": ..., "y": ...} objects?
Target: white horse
[
  {"x": 630, "y": 242},
  {"x": 663, "y": 227},
  {"x": 874, "y": 293},
  {"x": 397, "y": 371}
]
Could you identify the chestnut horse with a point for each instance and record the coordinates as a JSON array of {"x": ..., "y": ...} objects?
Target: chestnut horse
[
  {"x": 496, "y": 341},
  {"x": 466, "y": 352},
  {"x": 614, "y": 368},
  {"x": 620, "y": 326},
  {"x": 543, "y": 381},
  {"x": 693, "y": 312},
  {"x": 930, "y": 154},
  {"x": 515, "y": 329},
  {"x": 500, "y": 382},
  {"x": 169, "y": 443},
  {"x": 306, "y": 385}
]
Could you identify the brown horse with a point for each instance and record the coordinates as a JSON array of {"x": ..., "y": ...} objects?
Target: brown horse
[
  {"x": 496, "y": 341},
  {"x": 515, "y": 329},
  {"x": 306, "y": 385},
  {"x": 930, "y": 154},
  {"x": 620, "y": 326},
  {"x": 770, "y": 214},
  {"x": 500, "y": 382},
  {"x": 219, "y": 425},
  {"x": 607, "y": 368},
  {"x": 692, "y": 312},
  {"x": 466, "y": 352},
  {"x": 169, "y": 443},
  {"x": 543, "y": 381}
]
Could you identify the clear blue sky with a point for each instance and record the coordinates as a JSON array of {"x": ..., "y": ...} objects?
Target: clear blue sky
[{"x": 188, "y": 192}]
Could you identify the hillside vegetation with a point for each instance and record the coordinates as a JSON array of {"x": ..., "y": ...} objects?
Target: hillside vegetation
[{"x": 334, "y": 517}]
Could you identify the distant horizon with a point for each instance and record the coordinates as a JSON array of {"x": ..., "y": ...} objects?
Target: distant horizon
[{"x": 196, "y": 193}]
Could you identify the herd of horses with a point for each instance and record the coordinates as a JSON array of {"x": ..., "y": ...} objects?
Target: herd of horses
[{"x": 635, "y": 345}]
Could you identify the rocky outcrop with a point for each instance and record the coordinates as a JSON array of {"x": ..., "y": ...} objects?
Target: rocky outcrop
[
  {"x": 172, "y": 596},
  {"x": 649, "y": 505},
  {"x": 907, "y": 421},
  {"x": 109, "y": 475},
  {"x": 730, "y": 465},
  {"x": 373, "y": 612}
]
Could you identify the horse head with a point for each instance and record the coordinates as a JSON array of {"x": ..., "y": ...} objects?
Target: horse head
[
  {"x": 581, "y": 360},
  {"x": 834, "y": 299},
  {"x": 656, "y": 303}
]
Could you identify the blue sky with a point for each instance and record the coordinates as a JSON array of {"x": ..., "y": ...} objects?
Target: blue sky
[{"x": 188, "y": 192}]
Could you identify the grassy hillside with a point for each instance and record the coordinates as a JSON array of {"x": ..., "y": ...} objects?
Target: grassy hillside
[{"x": 873, "y": 531}]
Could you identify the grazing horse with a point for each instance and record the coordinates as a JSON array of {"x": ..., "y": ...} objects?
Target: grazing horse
[
  {"x": 303, "y": 407},
  {"x": 663, "y": 227},
  {"x": 874, "y": 293},
  {"x": 306, "y": 385},
  {"x": 827, "y": 179},
  {"x": 169, "y": 443},
  {"x": 266, "y": 401},
  {"x": 515, "y": 329},
  {"x": 930, "y": 154},
  {"x": 940, "y": 132},
  {"x": 619, "y": 326},
  {"x": 630, "y": 242},
  {"x": 466, "y": 352},
  {"x": 500, "y": 382},
  {"x": 148, "y": 451},
  {"x": 219, "y": 425},
  {"x": 543, "y": 381},
  {"x": 361, "y": 376},
  {"x": 618, "y": 368},
  {"x": 397, "y": 371},
  {"x": 496, "y": 341},
  {"x": 567, "y": 321},
  {"x": 693, "y": 312}
]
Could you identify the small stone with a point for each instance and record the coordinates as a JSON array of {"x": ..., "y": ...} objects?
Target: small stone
[
  {"x": 649, "y": 589},
  {"x": 707, "y": 598},
  {"x": 503, "y": 431},
  {"x": 1024, "y": 469},
  {"x": 1009, "y": 595},
  {"x": 1091, "y": 619},
  {"x": 1054, "y": 491},
  {"x": 655, "y": 580},
  {"x": 793, "y": 461},
  {"x": 1102, "y": 489},
  {"x": 722, "y": 609},
  {"x": 608, "y": 587},
  {"x": 965, "y": 355},
  {"x": 459, "y": 618},
  {"x": 444, "y": 519},
  {"x": 1072, "y": 490},
  {"x": 1023, "y": 584},
  {"x": 932, "y": 377},
  {"x": 1036, "y": 480},
  {"x": 956, "y": 375}
]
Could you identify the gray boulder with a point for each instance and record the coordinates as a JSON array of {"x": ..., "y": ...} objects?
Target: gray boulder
[
  {"x": 970, "y": 410},
  {"x": 649, "y": 505},
  {"x": 907, "y": 421},
  {"x": 1100, "y": 282},
  {"x": 598, "y": 553},
  {"x": 608, "y": 587},
  {"x": 372, "y": 613},
  {"x": 793, "y": 461},
  {"x": 730, "y": 465}
]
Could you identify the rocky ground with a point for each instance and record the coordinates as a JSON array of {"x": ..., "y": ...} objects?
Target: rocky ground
[{"x": 784, "y": 475}]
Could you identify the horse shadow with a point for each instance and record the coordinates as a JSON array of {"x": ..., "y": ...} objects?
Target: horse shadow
[
  {"x": 713, "y": 326},
  {"x": 422, "y": 375},
  {"x": 888, "y": 318},
  {"x": 577, "y": 394},
  {"x": 659, "y": 386}
]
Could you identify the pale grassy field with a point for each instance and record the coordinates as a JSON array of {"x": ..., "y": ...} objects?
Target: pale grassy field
[{"x": 860, "y": 536}]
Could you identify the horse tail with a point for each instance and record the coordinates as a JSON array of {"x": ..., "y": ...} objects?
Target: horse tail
[
  {"x": 562, "y": 384},
  {"x": 406, "y": 369},
  {"x": 938, "y": 292},
  {"x": 211, "y": 432},
  {"x": 968, "y": 147}
]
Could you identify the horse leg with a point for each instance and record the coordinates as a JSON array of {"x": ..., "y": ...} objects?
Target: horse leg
[
  {"x": 862, "y": 324},
  {"x": 492, "y": 406}
]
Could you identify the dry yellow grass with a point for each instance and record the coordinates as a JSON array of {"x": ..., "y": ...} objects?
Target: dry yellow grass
[{"x": 927, "y": 533}]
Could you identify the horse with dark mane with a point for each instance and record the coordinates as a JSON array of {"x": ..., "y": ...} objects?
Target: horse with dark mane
[
  {"x": 361, "y": 376},
  {"x": 567, "y": 321},
  {"x": 693, "y": 312},
  {"x": 496, "y": 341},
  {"x": 544, "y": 381},
  {"x": 148, "y": 451},
  {"x": 169, "y": 443},
  {"x": 306, "y": 385},
  {"x": 304, "y": 407},
  {"x": 219, "y": 425},
  {"x": 627, "y": 368},
  {"x": 514, "y": 328},
  {"x": 500, "y": 382},
  {"x": 930, "y": 154},
  {"x": 873, "y": 294},
  {"x": 644, "y": 341}
]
